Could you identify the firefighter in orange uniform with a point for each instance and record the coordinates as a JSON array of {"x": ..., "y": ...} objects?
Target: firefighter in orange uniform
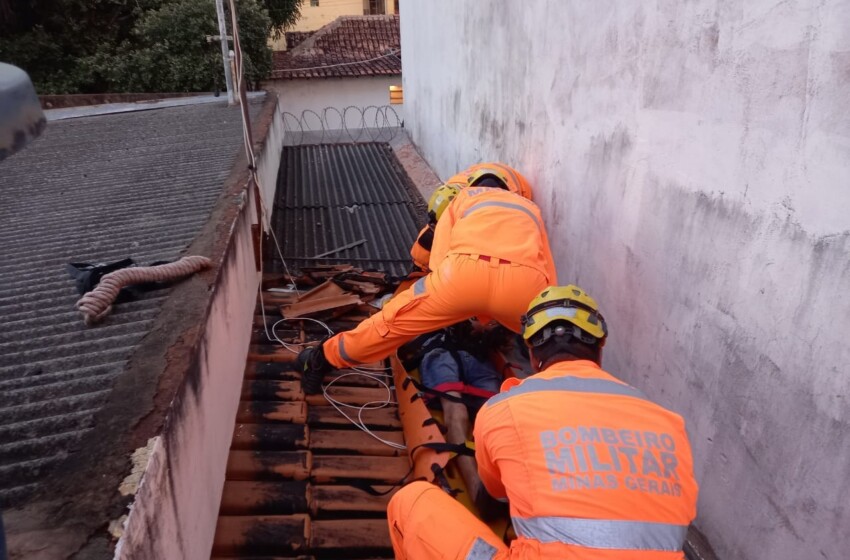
[
  {"x": 512, "y": 179},
  {"x": 490, "y": 254},
  {"x": 591, "y": 468},
  {"x": 437, "y": 204}
]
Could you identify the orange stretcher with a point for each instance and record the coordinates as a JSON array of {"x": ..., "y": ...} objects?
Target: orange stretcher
[{"x": 421, "y": 426}]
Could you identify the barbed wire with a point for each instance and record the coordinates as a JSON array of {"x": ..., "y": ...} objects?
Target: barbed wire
[{"x": 354, "y": 124}]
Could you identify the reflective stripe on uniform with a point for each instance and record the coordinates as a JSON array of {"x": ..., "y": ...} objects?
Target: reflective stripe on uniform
[
  {"x": 481, "y": 550},
  {"x": 419, "y": 287},
  {"x": 572, "y": 384},
  {"x": 343, "y": 354},
  {"x": 603, "y": 533},
  {"x": 501, "y": 204}
]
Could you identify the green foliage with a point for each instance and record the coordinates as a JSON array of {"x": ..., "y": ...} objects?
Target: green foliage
[
  {"x": 169, "y": 50},
  {"x": 283, "y": 13},
  {"x": 52, "y": 68},
  {"x": 49, "y": 38},
  {"x": 92, "y": 46}
]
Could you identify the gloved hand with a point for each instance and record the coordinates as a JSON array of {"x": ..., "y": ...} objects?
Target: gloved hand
[{"x": 313, "y": 365}]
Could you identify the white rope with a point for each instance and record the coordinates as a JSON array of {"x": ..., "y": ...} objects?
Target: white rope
[
  {"x": 252, "y": 164},
  {"x": 370, "y": 373},
  {"x": 249, "y": 149},
  {"x": 289, "y": 345},
  {"x": 338, "y": 405}
]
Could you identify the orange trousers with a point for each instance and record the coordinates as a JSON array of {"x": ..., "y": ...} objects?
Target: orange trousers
[
  {"x": 428, "y": 524},
  {"x": 463, "y": 286}
]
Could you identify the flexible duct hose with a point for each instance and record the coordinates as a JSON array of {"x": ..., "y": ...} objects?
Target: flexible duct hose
[{"x": 96, "y": 304}]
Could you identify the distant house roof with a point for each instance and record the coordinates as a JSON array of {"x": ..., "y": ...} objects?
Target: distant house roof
[
  {"x": 350, "y": 46},
  {"x": 95, "y": 189},
  {"x": 295, "y": 38}
]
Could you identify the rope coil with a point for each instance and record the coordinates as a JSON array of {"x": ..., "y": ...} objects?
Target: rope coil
[{"x": 97, "y": 304}]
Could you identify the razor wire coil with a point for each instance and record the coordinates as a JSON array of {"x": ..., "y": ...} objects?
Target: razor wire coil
[{"x": 354, "y": 124}]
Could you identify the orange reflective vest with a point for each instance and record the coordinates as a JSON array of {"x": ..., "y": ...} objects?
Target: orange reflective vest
[
  {"x": 494, "y": 223},
  {"x": 592, "y": 468}
]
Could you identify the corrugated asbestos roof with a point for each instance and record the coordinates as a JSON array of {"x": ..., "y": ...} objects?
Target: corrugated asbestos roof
[
  {"x": 92, "y": 189},
  {"x": 329, "y": 196},
  {"x": 350, "y": 46}
]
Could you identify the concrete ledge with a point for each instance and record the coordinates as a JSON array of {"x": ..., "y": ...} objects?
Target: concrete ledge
[{"x": 176, "y": 505}]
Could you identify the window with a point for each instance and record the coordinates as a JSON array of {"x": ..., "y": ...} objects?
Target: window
[
  {"x": 314, "y": 3},
  {"x": 376, "y": 7}
]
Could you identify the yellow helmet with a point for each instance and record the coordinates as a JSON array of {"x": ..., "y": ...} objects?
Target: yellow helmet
[
  {"x": 570, "y": 304},
  {"x": 440, "y": 200},
  {"x": 482, "y": 173}
]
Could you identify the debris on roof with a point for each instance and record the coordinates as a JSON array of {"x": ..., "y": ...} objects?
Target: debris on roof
[
  {"x": 349, "y": 287},
  {"x": 97, "y": 304},
  {"x": 343, "y": 301},
  {"x": 350, "y": 46}
]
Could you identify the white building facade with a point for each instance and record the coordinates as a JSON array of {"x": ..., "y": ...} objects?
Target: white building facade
[{"x": 692, "y": 161}]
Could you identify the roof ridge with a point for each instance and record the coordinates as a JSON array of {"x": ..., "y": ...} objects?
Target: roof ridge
[
  {"x": 373, "y": 42},
  {"x": 367, "y": 16},
  {"x": 310, "y": 41},
  {"x": 328, "y": 28}
]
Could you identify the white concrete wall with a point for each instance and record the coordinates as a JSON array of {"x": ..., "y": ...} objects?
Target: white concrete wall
[
  {"x": 692, "y": 161},
  {"x": 176, "y": 507},
  {"x": 296, "y": 96},
  {"x": 268, "y": 154}
]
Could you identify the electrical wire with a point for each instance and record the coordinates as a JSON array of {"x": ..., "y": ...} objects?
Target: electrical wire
[
  {"x": 252, "y": 164},
  {"x": 261, "y": 218},
  {"x": 372, "y": 405},
  {"x": 387, "y": 55},
  {"x": 370, "y": 373},
  {"x": 288, "y": 345},
  {"x": 339, "y": 406}
]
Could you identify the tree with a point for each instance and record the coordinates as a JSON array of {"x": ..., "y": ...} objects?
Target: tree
[
  {"x": 169, "y": 50},
  {"x": 92, "y": 46},
  {"x": 49, "y": 38},
  {"x": 283, "y": 14}
]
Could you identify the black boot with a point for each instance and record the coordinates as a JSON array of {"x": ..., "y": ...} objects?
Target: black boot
[{"x": 313, "y": 367}]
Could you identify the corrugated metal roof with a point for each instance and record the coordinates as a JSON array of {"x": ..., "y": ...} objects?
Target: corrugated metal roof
[
  {"x": 347, "y": 174},
  {"x": 92, "y": 189},
  {"x": 331, "y": 195}
]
